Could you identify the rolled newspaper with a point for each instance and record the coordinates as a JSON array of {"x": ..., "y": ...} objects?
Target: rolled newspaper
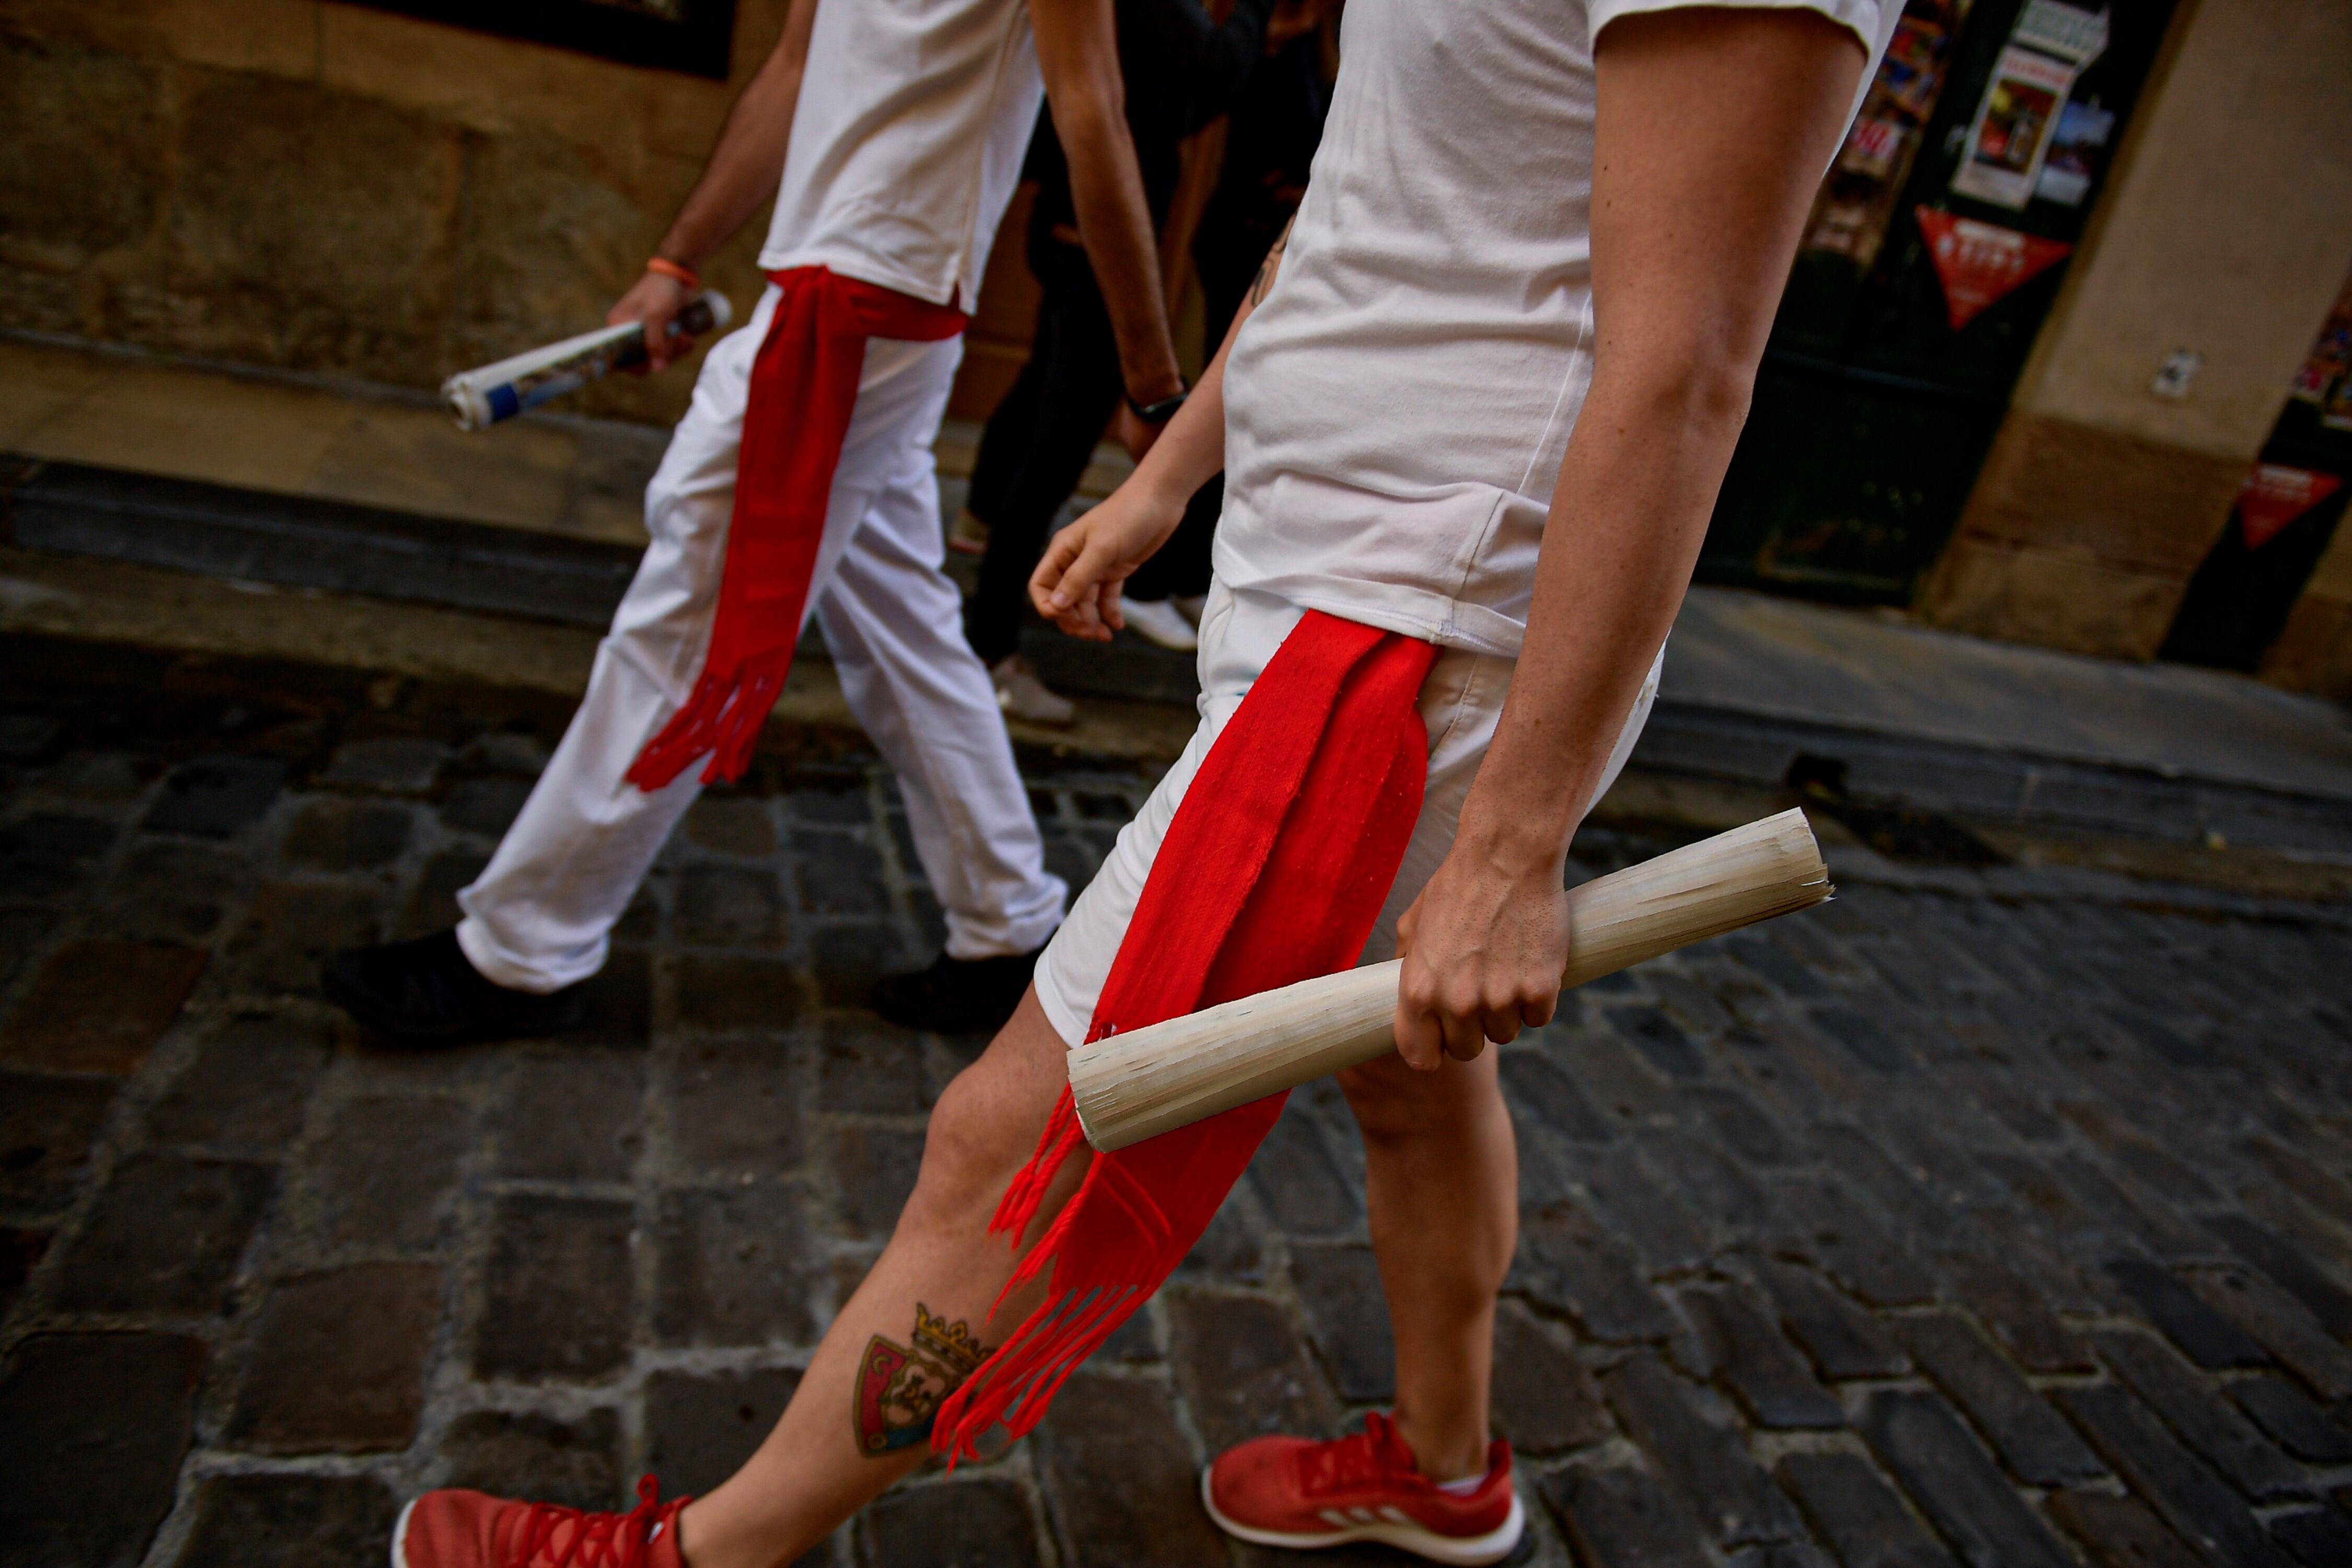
[{"x": 483, "y": 397}]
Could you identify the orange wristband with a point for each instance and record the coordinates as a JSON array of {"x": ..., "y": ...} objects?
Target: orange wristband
[{"x": 675, "y": 269}]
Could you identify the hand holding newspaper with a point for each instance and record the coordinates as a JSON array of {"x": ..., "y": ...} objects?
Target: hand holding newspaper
[{"x": 483, "y": 397}]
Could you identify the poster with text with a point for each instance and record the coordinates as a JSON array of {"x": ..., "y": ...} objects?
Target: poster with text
[
  {"x": 2013, "y": 124},
  {"x": 2276, "y": 495},
  {"x": 1981, "y": 264}
]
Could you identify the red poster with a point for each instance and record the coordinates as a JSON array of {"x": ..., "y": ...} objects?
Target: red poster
[
  {"x": 2276, "y": 495},
  {"x": 1979, "y": 263}
]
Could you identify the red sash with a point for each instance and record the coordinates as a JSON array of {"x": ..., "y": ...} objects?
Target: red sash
[
  {"x": 804, "y": 389},
  {"x": 1272, "y": 870}
]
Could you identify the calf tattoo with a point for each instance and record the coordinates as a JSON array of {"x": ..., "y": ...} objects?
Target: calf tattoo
[{"x": 900, "y": 1387}]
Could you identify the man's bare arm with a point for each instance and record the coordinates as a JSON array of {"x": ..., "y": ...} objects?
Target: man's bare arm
[
  {"x": 743, "y": 173},
  {"x": 1076, "y": 584},
  {"x": 1077, "y": 51},
  {"x": 1712, "y": 130}
]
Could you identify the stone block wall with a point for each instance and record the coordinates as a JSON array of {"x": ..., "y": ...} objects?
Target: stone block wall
[
  {"x": 2081, "y": 537},
  {"x": 331, "y": 188},
  {"x": 2314, "y": 652}
]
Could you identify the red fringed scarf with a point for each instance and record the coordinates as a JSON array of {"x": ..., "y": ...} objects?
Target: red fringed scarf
[
  {"x": 804, "y": 389},
  {"x": 1272, "y": 870}
]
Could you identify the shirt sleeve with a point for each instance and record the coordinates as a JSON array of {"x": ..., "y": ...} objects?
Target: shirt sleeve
[{"x": 1872, "y": 21}]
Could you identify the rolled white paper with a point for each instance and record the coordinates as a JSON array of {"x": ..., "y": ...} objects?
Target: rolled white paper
[{"x": 485, "y": 395}]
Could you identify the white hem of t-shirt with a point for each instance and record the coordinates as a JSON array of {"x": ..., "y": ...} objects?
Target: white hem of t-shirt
[
  {"x": 1862, "y": 15},
  {"x": 864, "y": 269},
  {"x": 1416, "y": 613},
  {"x": 1066, "y": 1024}
]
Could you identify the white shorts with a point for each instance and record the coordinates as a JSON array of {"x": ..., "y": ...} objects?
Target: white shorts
[{"x": 1460, "y": 702}]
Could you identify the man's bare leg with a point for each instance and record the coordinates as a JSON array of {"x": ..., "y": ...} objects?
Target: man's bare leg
[
  {"x": 855, "y": 1424},
  {"x": 1442, "y": 1189}
]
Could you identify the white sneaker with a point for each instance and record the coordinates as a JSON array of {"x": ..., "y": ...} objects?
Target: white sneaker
[
  {"x": 968, "y": 536},
  {"x": 1162, "y": 622},
  {"x": 1192, "y": 605},
  {"x": 1023, "y": 696}
]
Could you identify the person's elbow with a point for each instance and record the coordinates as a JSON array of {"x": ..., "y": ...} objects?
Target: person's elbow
[
  {"x": 1694, "y": 384},
  {"x": 1086, "y": 116},
  {"x": 1719, "y": 390}
]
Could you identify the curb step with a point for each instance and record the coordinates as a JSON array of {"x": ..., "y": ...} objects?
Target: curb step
[
  {"x": 1985, "y": 785},
  {"x": 335, "y": 547},
  {"x": 301, "y": 542}
]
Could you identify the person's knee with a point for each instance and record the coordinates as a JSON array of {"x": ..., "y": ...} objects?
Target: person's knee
[
  {"x": 687, "y": 507},
  {"x": 970, "y": 1153},
  {"x": 986, "y": 1126}
]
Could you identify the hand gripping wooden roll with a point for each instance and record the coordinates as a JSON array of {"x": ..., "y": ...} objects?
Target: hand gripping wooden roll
[{"x": 1135, "y": 1086}]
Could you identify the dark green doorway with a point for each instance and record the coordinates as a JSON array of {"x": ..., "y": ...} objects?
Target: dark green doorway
[{"x": 1934, "y": 250}]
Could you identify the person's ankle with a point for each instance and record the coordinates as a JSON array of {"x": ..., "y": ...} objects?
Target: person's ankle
[
  {"x": 683, "y": 1524},
  {"x": 708, "y": 1540},
  {"x": 1440, "y": 1456},
  {"x": 473, "y": 964},
  {"x": 703, "y": 1543}
]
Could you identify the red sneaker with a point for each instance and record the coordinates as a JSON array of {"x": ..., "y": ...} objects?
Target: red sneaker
[
  {"x": 451, "y": 1529},
  {"x": 1286, "y": 1491}
]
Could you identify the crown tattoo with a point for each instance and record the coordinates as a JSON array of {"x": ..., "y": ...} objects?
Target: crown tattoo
[{"x": 952, "y": 1340}]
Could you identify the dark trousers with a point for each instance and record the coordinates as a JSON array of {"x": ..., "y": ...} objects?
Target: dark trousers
[
  {"x": 1181, "y": 568},
  {"x": 1036, "y": 445},
  {"x": 1039, "y": 440},
  {"x": 1228, "y": 257}
]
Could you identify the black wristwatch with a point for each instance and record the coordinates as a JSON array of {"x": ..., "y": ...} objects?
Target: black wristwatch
[{"x": 1159, "y": 412}]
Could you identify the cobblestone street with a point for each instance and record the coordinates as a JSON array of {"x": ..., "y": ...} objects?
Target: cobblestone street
[{"x": 1966, "y": 1221}]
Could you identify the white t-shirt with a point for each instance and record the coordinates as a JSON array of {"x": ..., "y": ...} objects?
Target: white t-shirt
[
  {"x": 1397, "y": 409},
  {"x": 907, "y": 142}
]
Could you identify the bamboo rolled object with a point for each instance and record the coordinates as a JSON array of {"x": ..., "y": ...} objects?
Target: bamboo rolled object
[{"x": 1136, "y": 1086}]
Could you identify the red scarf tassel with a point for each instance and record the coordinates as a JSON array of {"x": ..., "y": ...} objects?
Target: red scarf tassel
[
  {"x": 796, "y": 413},
  {"x": 1272, "y": 870}
]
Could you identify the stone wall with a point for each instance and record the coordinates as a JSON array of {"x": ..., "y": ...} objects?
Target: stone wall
[
  {"x": 332, "y": 188},
  {"x": 2225, "y": 234},
  {"x": 2314, "y": 651}
]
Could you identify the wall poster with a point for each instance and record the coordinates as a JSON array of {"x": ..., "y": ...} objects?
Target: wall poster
[
  {"x": 2016, "y": 120},
  {"x": 1980, "y": 263},
  {"x": 2067, "y": 170},
  {"x": 2325, "y": 377},
  {"x": 2276, "y": 495}
]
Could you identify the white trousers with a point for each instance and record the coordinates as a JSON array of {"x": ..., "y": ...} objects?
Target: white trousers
[
  {"x": 539, "y": 916},
  {"x": 1461, "y": 700}
]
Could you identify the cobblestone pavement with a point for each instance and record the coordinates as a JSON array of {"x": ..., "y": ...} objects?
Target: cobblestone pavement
[{"x": 1929, "y": 1229}]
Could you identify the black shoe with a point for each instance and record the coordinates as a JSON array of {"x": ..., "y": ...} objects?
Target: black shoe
[
  {"x": 427, "y": 993},
  {"x": 956, "y": 995}
]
